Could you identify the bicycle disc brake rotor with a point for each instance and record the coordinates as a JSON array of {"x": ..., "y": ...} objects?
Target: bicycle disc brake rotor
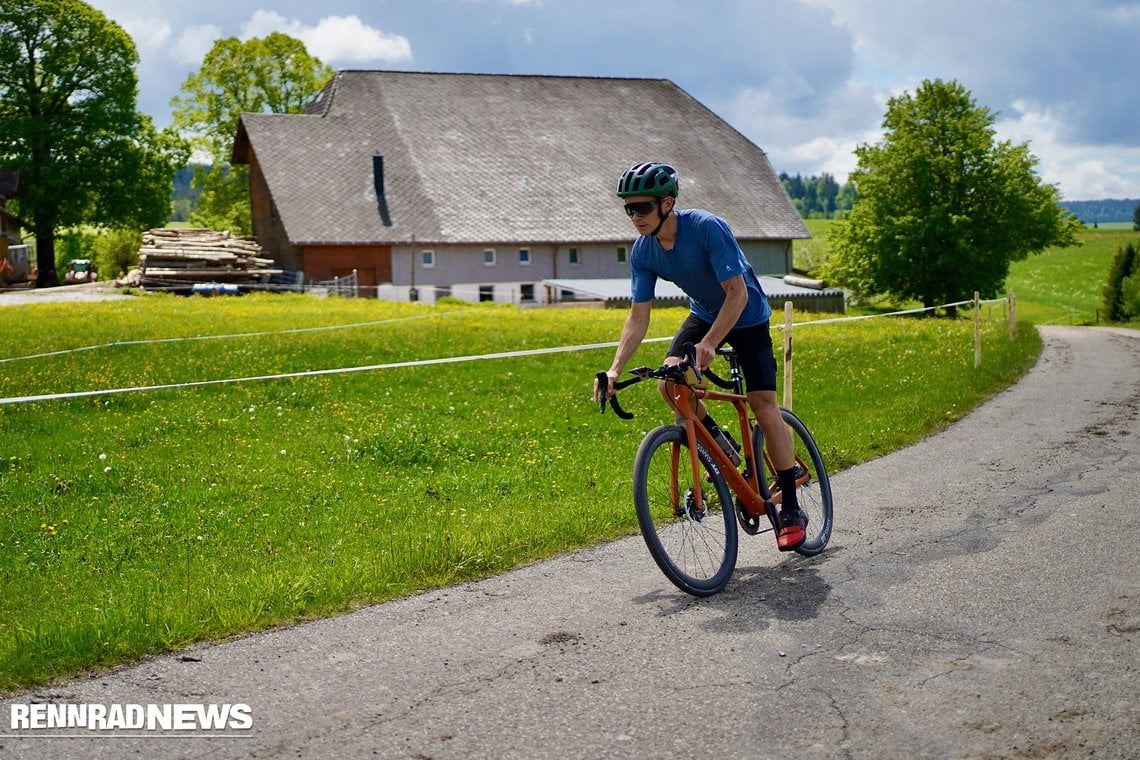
[{"x": 691, "y": 512}]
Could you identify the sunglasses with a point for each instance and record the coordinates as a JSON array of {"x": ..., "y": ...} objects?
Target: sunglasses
[{"x": 641, "y": 208}]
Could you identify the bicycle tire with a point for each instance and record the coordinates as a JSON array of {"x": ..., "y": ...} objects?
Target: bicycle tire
[
  {"x": 814, "y": 496},
  {"x": 697, "y": 554}
]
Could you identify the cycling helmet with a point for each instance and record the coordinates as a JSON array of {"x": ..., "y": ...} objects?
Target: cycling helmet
[{"x": 649, "y": 178}]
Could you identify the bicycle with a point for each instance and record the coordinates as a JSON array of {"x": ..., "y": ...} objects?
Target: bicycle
[{"x": 689, "y": 511}]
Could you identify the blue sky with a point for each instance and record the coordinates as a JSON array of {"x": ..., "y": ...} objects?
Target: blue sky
[{"x": 806, "y": 80}]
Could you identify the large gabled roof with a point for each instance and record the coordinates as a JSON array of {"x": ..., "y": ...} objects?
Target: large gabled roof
[{"x": 480, "y": 158}]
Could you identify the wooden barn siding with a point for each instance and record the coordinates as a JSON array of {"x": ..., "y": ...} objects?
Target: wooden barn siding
[
  {"x": 267, "y": 227},
  {"x": 372, "y": 263}
]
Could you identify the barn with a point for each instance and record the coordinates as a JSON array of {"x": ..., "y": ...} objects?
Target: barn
[{"x": 492, "y": 187}]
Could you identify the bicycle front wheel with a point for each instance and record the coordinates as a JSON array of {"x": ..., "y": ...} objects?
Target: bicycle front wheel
[{"x": 695, "y": 547}]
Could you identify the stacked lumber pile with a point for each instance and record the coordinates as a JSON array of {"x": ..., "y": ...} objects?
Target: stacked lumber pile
[{"x": 181, "y": 257}]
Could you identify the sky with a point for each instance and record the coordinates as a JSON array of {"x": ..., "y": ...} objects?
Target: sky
[{"x": 805, "y": 80}]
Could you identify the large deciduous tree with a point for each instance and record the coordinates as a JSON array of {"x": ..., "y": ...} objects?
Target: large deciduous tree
[
  {"x": 274, "y": 74},
  {"x": 68, "y": 123},
  {"x": 942, "y": 207}
]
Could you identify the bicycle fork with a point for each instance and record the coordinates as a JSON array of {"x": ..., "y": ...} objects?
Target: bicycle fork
[{"x": 749, "y": 495}]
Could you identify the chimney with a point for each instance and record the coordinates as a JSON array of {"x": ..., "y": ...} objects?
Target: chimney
[{"x": 378, "y": 179}]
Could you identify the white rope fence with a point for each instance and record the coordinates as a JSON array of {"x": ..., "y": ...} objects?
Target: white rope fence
[
  {"x": 229, "y": 336},
  {"x": 786, "y": 327}
]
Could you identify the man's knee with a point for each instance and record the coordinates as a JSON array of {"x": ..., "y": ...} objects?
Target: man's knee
[{"x": 763, "y": 402}]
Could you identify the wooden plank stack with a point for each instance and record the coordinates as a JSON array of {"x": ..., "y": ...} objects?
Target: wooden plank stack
[{"x": 170, "y": 258}]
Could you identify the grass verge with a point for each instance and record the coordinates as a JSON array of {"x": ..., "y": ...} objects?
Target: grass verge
[{"x": 141, "y": 522}]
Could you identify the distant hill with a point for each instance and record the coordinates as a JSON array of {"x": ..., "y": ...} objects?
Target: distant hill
[{"x": 1108, "y": 210}]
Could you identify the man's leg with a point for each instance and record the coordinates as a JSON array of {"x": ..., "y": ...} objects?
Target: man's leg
[
  {"x": 777, "y": 435},
  {"x": 778, "y": 440}
]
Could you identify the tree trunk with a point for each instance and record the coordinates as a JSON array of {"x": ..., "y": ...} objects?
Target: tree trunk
[{"x": 45, "y": 256}]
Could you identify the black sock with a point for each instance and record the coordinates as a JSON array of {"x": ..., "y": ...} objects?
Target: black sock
[{"x": 787, "y": 481}]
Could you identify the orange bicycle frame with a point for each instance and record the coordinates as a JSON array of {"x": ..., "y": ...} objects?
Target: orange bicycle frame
[{"x": 747, "y": 489}]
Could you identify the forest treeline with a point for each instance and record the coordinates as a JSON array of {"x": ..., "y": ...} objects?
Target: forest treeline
[
  {"x": 1102, "y": 211},
  {"x": 818, "y": 197}
]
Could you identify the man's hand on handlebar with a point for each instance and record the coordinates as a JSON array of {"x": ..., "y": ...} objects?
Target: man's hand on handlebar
[
  {"x": 608, "y": 391},
  {"x": 705, "y": 353}
]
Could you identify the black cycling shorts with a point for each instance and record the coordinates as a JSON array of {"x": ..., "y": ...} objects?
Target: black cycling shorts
[{"x": 753, "y": 347}]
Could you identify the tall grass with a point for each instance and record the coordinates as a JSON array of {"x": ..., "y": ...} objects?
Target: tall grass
[{"x": 141, "y": 522}]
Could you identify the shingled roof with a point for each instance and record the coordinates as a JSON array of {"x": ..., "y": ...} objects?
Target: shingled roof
[{"x": 476, "y": 158}]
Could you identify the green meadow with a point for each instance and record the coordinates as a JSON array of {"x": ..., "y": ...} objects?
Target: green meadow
[{"x": 139, "y": 522}]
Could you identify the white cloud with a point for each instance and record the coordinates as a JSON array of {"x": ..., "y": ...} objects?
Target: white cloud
[
  {"x": 344, "y": 39},
  {"x": 195, "y": 41},
  {"x": 1081, "y": 172},
  {"x": 149, "y": 34},
  {"x": 809, "y": 140}
]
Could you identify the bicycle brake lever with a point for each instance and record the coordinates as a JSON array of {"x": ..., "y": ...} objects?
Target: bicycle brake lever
[
  {"x": 691, "y": 358},
  {"x": 603, "y": 387},
  {"x": 603, "y": 381}
]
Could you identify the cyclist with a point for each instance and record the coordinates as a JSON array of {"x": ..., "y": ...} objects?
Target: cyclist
[{"x": 697, "y": 251}]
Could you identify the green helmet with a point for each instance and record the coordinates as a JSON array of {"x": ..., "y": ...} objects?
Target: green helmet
[{"x": 649, "y": 178}]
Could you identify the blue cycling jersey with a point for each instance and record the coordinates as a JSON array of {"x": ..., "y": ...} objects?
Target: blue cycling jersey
[{"x": 704, "y": 255}]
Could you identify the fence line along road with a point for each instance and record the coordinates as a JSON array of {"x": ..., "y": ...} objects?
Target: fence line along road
[{"x": 786, "y": 326}]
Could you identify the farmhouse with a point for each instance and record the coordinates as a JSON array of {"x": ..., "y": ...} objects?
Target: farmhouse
[{"x": 492, "y": 187}]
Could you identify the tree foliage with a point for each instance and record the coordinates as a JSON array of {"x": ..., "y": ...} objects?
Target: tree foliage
[
  {"x": 68, "y": 123},
  {"x": 941, "y": 207},
  {"x": 274, "y": 74}
]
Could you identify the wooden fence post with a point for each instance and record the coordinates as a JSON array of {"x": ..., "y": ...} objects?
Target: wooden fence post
[
  {"x": 977, "y": 330},
  {"x": 1012, "y": 315},
  {"x": 787, "y": 354}
]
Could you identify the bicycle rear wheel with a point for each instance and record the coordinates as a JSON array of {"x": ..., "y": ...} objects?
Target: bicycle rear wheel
[
  {"x": 696, "y": 550},
  {"x": 814, "y": 495}
]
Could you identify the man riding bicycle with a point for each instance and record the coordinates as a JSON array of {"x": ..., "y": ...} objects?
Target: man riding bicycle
[{"x": 697, "y": 251}]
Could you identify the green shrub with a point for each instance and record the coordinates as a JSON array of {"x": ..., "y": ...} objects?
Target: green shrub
[
  {"x": 1121, "y": 299},
  {"x": 116, "y": 252},
  {"x": 1130, "y": 295},
  {"x": 70, "y": 246}
]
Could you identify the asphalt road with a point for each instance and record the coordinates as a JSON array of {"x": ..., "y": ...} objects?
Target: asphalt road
[
  {"x": 87, "y": 291},
  {"x": 980, "y": 598}
]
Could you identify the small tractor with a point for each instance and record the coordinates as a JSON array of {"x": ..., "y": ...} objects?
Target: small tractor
[{"x": 80, "y": 270}]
